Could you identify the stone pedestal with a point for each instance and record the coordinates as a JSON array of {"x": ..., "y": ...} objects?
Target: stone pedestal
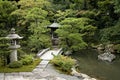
[{"x": 13, "y": 55}]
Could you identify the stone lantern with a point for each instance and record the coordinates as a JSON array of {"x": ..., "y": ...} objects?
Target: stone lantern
[
  {"x": 54, "y": 36},
  {"x": 14, "y": 46}
]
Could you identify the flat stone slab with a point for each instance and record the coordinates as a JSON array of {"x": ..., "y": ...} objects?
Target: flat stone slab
[
  {"x": 14, "y": 78},
  {"x": 44, "y": 62},
  {"x": 42, "y": 66},
  {"x": 1, "y": 76},
  {"x": 41, "y": 79},
  {"x": 44, "y": 74},
  {"x": 12, "y": 74},
  {"x": 37, "y": 70},
  {"x": 26, "y": 74}
]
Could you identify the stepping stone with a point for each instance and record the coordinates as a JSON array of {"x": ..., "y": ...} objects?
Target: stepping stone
[
  {"x": 26, "y": 74},
  {"x": 44, "y": 62},
  {"x": 41, "y": 79},
  {"x": 14, "y": 74},
  {"x": 14, "y": 78},
  {"x": 37, "y": 70},
  {"x": 42, "y": 66},
  {"x": 44, "y": 74},
  {"x": 1, "y": 76},
  {"x": 59, "y": 78}
]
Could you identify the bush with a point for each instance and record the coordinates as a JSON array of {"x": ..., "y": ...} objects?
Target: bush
[
  {"x": 28, "y": 59},
  {"x": 63, "y": 62},
  {"x": 117, "y": 48},
  {"x": 15, "y": 64}
]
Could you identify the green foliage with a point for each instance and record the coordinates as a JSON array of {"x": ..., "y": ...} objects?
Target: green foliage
[
  {"x": 111, "y": 34},
  {"x": 27, "y": 60},
  {"x": 15, "y": 64},
  {"x": 64, "y": 63},
  {"x": 30, "y": 18},
  {"x": 117, "y": 48},
  {"x": 61, "y": 15},
  {"x": 117, "y": 6},
  {"x": 87, "y": 13},
  {"x": 6, "y": 8},
  {"x": 73, "y": 33},
  {"x": 4, "y": 51}
]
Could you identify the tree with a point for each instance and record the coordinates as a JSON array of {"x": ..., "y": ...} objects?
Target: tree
[
  {"x": 31, "y": 21},
  {"x": 73, "y": 33},
  {"x": 117, "y": 6},
  {"x": 111, "y": 34},
  {"x": 40, "y": 38},
  {"x": 6, "y": 20},
  {"x": 4, "y": 52}
]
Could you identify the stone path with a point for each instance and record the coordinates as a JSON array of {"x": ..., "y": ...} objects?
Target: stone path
[{"x": 43, "y": 71}]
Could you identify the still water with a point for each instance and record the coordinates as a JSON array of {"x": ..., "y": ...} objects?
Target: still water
[{"x": 89, "y": 64}]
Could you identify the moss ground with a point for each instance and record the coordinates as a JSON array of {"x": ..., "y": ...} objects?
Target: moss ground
[{"x": 24, "y": 68}]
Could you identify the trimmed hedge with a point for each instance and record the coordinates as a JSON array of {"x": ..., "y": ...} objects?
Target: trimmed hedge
[
  {"x": 27, "y": 60},
  {"x": 117, "y": 48},
  {"x": 64, "y": 63}
]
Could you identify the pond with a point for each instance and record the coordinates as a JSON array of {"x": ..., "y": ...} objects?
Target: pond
[{"x": 89, "y": 64}]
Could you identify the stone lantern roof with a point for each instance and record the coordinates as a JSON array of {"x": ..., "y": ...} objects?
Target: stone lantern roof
[
  {"x": 54, "y": 25},
  {"x": 13, "y": 35}
]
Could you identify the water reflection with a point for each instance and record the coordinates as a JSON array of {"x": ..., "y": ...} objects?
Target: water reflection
[{"x": 88, "y": 63}]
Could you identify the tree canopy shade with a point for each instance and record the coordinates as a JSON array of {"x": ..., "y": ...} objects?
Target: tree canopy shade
[{"x": 80, "y": 18}]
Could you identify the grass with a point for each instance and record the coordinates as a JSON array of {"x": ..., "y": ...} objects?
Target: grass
[{"x": 24, "y": 68}]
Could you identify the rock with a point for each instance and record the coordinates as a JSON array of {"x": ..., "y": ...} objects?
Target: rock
[
  {"x": 41, "y": 79},
  {"x": 75, "y": 73},
  {"x": 89, "y": 79},
  {"x": 93, "y": 79},
  {"x": 59, "y": 78},
  {"x": 100, "y": 47},
  {"x": 107, "y": 56},
  {"x": 68, "y": 53},
  {"x": 85, "y": 76},
  {"x": 110, "y": 47}
]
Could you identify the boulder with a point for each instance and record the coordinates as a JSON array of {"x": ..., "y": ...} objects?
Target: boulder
[
  {"x": 100, "y": 47},
  {"x": 75, "y": 73},
  {"x": 67, "y": 53},
  {"x": 59, "y": 78},
  {"x": 107, "y": 56}
]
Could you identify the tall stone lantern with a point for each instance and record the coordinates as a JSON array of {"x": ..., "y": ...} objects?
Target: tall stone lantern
[
  {"x": 14, "y": 46},
  {"x": 54, "y": 36}
]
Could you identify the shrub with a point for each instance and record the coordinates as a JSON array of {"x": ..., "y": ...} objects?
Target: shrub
[
  {"x": 28, "y": 59},
  {"x": 63, "y": 62},
  {"x": 117, "y": 48},
  {"x": 15, "y": 64}
]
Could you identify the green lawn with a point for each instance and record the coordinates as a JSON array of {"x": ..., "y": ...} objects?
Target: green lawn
[{"x": 25, "y": 68}]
